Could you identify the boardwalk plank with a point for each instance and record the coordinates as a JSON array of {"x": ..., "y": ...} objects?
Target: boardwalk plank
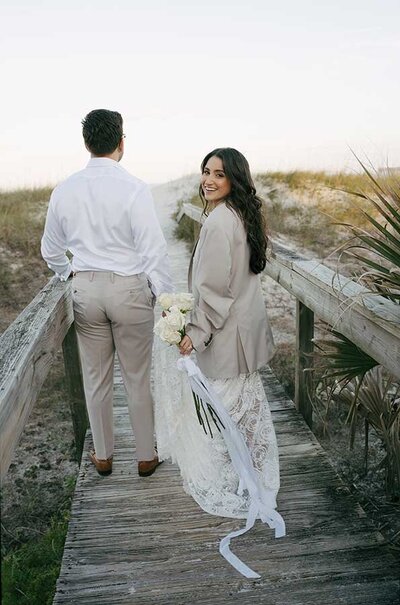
[{"x": 145, "y": 541}]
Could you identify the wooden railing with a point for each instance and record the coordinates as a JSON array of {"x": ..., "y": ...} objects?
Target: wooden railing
[
  {"x": 27, "y": 350},
  {"x": 368, "y": 320}
]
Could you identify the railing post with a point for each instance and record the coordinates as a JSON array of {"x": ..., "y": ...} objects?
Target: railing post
[
  {"x": 75, "y": 388},
  {"x": 304, "y": 348}
]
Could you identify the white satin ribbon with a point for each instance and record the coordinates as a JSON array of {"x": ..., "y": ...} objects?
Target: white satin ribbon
[{"x": 262, "y": 500}]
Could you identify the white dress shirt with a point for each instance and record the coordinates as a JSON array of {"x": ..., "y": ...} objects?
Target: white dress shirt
[{"x": 105, "y": 218}]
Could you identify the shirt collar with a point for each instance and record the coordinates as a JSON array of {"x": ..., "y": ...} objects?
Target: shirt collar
[{"x": 97, "y": 162}]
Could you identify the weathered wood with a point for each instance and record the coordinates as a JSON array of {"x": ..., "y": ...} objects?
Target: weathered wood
[
  {"x": 368, "y": 320},
  {"x": 146, "y": 542},
  {"x": 75, "y": 389},
  {"x": 304, "y": 349},
  {"x": 27, "y": 350},
  {"x": 193, "y": 212}
]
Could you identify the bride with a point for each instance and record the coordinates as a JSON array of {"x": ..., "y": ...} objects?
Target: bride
[{"x": 230, "y": 337}]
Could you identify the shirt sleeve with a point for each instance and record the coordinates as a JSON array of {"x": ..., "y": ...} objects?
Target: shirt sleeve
[
  {"x": 150, "y": 242},
  {"x": 213, "y": 277},
  {"x": 53, "y": 245}
]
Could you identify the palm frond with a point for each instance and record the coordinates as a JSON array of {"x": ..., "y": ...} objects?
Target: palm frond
[
  {"x": 340, "y": 359},
  {"x": 379, "y": 249},
  {"x": 343, "y": 364},
  {"x": 382, "y": 413}
]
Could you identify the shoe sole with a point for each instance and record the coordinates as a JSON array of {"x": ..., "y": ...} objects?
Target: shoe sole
[
  {"x": 148, "y": 473},
  {"x": 102, "y": 473}
]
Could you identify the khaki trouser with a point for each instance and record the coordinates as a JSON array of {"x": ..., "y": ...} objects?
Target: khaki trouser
[{"x": 115, "y": 313}]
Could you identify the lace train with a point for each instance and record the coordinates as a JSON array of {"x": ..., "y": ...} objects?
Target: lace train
[{"x": 208, "y": 475}]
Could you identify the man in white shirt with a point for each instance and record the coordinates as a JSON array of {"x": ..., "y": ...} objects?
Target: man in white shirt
[{"x": 105, "y": 218}]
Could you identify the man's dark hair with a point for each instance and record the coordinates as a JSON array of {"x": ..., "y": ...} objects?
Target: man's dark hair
[{"x": 102, "y": 131}]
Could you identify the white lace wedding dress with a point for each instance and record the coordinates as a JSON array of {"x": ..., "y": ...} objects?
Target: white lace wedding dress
[{"x": 204, "y": 462}]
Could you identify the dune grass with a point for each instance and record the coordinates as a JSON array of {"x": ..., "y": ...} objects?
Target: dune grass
[
  {"x": 309, "y": 207},
  {"x": 309, "y": 180},
  {"x": 22, "y": 271},
  {"x": 22, "y": 215}
]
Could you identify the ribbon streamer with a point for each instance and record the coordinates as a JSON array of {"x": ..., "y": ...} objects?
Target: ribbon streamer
[{"x": 262, "y": 500}]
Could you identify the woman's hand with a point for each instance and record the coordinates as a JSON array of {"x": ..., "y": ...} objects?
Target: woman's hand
[{"x": 186, "y": 345}]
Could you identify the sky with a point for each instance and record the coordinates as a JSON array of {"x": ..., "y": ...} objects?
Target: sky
[{"x": 293, "y": 84}]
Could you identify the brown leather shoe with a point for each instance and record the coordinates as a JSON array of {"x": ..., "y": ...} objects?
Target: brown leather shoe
[
  {"x": 147, "y": 467},
  {"x": 103, "y": 467}
]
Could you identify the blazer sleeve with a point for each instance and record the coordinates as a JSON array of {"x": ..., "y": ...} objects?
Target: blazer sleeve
[{"x": 212, "y": 277}]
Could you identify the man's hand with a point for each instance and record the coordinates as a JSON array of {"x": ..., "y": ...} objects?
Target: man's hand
[{"x": 186, "y": 345}]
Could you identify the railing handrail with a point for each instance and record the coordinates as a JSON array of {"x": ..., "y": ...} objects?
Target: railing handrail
[{"x": 27, "y": 350}]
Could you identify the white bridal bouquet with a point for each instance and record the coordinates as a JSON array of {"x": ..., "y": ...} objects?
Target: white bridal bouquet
[{"x": 171, "y": 327}]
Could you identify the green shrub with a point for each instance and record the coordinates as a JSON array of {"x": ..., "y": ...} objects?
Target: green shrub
[
  {"x": 31, "y": 567},
  {"x": 29, "y": 573},
  {"x": 22, "y": 270}
]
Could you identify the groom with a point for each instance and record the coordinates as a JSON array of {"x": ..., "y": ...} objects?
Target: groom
[{"x": 105, "y": 218}]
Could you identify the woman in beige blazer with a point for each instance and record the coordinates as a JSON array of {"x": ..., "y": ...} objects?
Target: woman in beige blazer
[{"x": 229, "y": 329}]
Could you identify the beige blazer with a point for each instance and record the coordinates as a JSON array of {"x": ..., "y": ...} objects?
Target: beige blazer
[{"x": 228, "y": 326}]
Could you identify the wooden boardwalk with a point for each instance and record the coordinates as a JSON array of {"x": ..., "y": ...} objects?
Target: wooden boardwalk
[{"x": 140, "y": 541}]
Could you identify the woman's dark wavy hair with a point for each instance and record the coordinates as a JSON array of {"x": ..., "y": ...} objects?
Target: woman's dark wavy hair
[
  {"x": 244, "y": 201},
  {"x": 102, "y": 131}
]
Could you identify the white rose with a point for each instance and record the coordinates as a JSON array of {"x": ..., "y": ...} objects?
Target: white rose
[
  {"x": 175, "y": 319},
  {"x": 185, "y": 301},
  {"x": 166, "y": 300},
  {"x": 166, "y": 332},
  {"x": 171, "y": 336}
]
